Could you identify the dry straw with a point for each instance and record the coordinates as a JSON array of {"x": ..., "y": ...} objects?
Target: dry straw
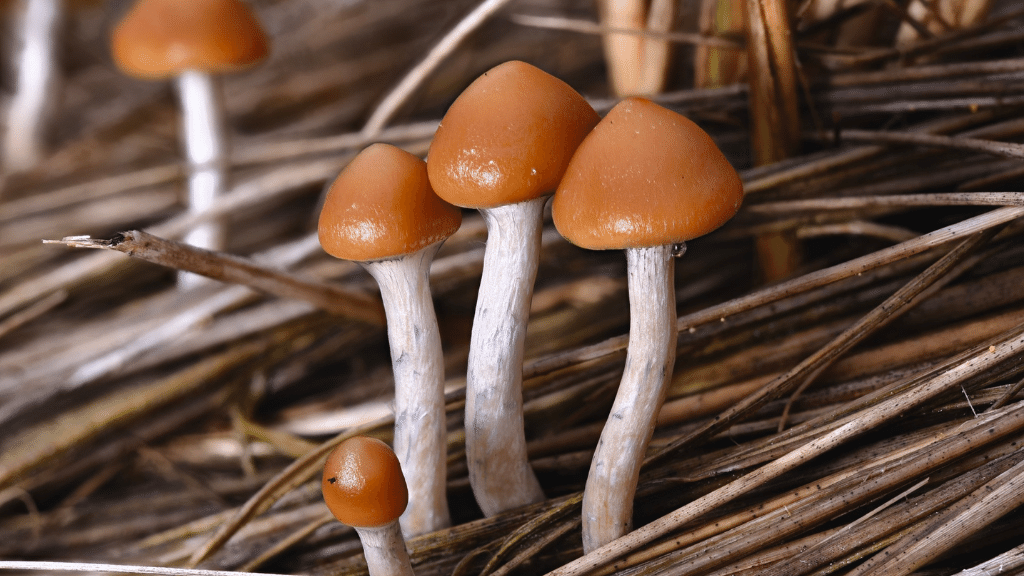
[{"x": 856, "y": 409}]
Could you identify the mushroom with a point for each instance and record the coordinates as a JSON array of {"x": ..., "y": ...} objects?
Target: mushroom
[
  {"x": 501, "y": 148},
  {"x": 38, "y": 82},
  {"x": 645, "y": 180},
  {"x": 382, "y": 213},
  {"x": 192, "y": 42},
  {"x": 363, "y": 486}
]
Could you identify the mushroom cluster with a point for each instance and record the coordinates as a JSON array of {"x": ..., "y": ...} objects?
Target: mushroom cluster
[{"x": 644, "y": 179}]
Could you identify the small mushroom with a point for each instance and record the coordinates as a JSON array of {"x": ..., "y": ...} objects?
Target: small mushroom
[
  {"x": 382, "y": 213},
  {"x": 364, "y": 488},
  {"x": 192, "y": 42},
  {"x": 645, "y": 180},
  {"x": 501, "y": 148}
]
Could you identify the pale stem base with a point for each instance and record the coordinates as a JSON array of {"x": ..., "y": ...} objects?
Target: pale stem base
[
  {"x": 499, "y": 470},
  {"x": 418, "y": 364},
  {"x": 615, "y": 469},
  {"x": 33, "y": 103},
  {"x": 206, "y": 149},
  {"x": 384, "y": 550}
]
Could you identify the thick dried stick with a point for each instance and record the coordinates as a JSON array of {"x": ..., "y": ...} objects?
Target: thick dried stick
[
  {"x": 141, "y": 338},
  {"x": 774, "y": 117},
  {"x": 252, "y": 192},
  {"x": 234, "y": 269}
]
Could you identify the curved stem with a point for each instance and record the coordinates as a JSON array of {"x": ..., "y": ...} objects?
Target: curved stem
[
  {"x": 615, "y": 469},
  {"x": 384, "y": 550},
  {"x": 206, "y": 149},
  {"x": 499, "y": 470},
  {"x": 418, "y": 364}
]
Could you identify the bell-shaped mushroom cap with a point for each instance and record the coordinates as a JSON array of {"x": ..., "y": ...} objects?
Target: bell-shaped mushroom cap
[
  {"x": 508, "y": 137},
  {"x": 363, "y": 483},
  {"x": 163, "y": 38},
  {"x": 382, "y": 206},
  {"x": 645, "y": 176}
]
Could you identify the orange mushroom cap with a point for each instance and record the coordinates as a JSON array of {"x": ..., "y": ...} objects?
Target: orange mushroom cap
[
  {"x": 508, "y": 137},
  {"x": 163, "y": 38},
  {"x": 363, "y": 483},
  {"x": 644, "y": 177},
  {"x": 382, "y": 206}
]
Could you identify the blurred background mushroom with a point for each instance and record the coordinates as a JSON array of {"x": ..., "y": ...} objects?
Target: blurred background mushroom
[
  {"x": 192, "y": 43},
  {"x": 34, "y": 41}
]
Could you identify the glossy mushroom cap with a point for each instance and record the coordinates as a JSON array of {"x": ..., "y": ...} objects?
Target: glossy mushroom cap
[
  {"x": 363, "y": 483},
  {"x": 163, "y": 38},
  {"x": 382, "y": 206},
  {"x": 508, "y": 137},
  {"x": 644, "y": 177}
]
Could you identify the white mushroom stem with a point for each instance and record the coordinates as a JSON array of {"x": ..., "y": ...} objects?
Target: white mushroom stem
[
  {"x": 499, "y": 470},
  {"x": 36, "y": 90},
  {"x": 206, "y": 150},
  {"x": 418, "y": 364},
  {"x": 615, "y": 469},
  {"x": 384, "y": 550}
]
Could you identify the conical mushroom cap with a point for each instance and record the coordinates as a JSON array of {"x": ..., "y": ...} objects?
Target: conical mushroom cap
[
  {"x": 382, "y": 206},
  {"x": 363, "y": 483},
  {"x": 163, "y": 38},
  {"x": 508, "y": 137},
  {"x": 645, "y": 176}
]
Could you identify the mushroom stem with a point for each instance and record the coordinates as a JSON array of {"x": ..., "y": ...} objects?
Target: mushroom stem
[
  {"x": 615, "y": 469},
  {"x": 206, "y": 149},
  {"x": 418, "y": 364},
  {"x": 499, "y": 470},
  {"x": 384, "y": 550},
  {"x": 32, "y": 104}
]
